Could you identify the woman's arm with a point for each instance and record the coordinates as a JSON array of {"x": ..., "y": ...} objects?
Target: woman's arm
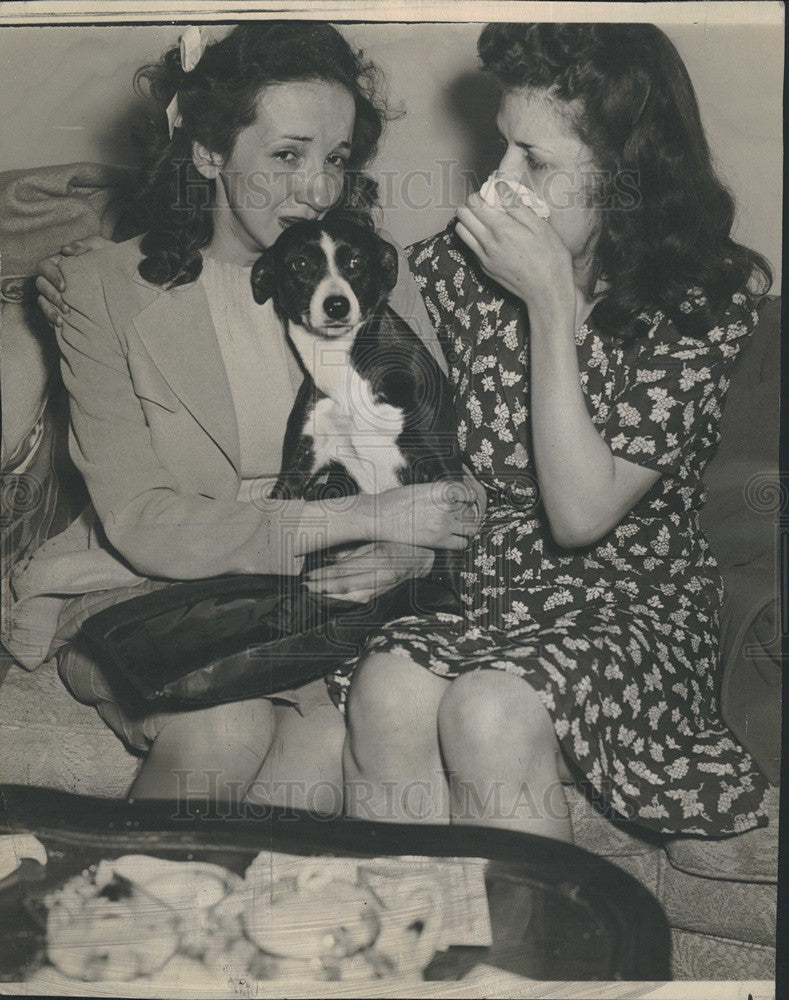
[
  {"x": 162, "y": 531},
  {"x": 586, "y": 490}
]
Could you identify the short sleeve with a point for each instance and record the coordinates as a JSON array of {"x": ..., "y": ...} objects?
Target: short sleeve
[{"x": 673, "y": 390}]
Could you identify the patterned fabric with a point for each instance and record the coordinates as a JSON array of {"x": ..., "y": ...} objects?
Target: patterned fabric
[
  {"x": 42, "y": 493},
  {"x": 620, "y": 639}
]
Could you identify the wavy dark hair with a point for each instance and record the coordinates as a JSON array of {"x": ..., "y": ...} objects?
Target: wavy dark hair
[
  {"x": 216, "y": 101},
  {"x": 631, "y": 101}
]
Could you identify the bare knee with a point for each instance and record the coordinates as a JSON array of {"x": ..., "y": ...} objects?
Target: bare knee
[
  {"x": 391, "y": 716},
  {"x": 221, "y": 729},
  {"x": 374, "y": 695},
  {"x": 488, "y": 707}
]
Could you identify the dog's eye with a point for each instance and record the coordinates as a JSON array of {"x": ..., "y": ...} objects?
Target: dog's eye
[
  {"x": 355, "y": 262},
  {"x": 299, "y": 264}
]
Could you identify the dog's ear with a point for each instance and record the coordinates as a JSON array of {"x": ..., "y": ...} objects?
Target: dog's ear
[
  {"x": 264, "y": 276},
  {"x": 387, "y": 264}
]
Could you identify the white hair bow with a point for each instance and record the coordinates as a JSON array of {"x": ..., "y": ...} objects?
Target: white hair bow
[{"x": 193, "y": 45}]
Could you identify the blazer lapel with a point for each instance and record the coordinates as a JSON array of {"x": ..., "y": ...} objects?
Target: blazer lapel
[{"x": 177, "y": 331}]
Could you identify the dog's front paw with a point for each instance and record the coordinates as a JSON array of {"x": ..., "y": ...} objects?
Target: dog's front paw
[{"x": 286, "y": 489}]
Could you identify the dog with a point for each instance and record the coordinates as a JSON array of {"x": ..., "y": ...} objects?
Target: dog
[{"x": 375, "y": 410}]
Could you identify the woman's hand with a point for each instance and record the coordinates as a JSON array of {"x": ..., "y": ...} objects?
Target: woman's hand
[
  {"x": 50, "y": 281},
  {"x": 480, "y": 496},
  {"x": 522, "y": 252},
  {"x": 363, "y": 572},
  {"x": 433, "y": 515}
]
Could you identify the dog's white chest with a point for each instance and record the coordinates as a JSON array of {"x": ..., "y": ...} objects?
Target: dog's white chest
[{"x": 351, "y": 428}]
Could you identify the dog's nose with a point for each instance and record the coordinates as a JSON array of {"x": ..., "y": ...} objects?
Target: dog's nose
[{"x": 336, "y": 306}]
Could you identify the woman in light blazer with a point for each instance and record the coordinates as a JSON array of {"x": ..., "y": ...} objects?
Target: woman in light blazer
[{"x": 181, "y": 387}]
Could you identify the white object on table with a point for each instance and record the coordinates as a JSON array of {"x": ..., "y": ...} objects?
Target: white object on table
[{"x": 14, "y": 847}]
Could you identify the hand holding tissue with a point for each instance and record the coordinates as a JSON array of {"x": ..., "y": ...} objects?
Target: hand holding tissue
[{"x": 526, "y": 196}]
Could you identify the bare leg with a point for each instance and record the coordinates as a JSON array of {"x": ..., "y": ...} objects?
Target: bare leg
[
  {"x": 303, "y": 769},
  {"x": 502, "y": 756},
  {"x": 214, "y": 752},
  {"x": 392, "y": 762}
]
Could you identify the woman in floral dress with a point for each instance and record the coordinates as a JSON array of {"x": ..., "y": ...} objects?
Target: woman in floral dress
[{"x": 590, "y": 373}]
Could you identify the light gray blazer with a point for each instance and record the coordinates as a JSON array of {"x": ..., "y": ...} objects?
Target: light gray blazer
[{"x": 154, "y": 434}]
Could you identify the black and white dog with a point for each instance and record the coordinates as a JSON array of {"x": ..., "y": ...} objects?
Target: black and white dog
[{"x": 375, "y": 406}]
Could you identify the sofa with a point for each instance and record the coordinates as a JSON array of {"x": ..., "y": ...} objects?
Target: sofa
[{"x": 719, "y": 895}]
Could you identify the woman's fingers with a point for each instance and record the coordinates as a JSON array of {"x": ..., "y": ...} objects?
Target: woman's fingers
[
  {"x": 466, "y": 528},
  {"x": 355, "y": 551},
  {"x": 358, "y": 597},
  {"x": 492, "y": 218},
  {"x": 459, "y": 536},
  {"x": 350, "y": 567},
  {"x": 336, "y": 588},
  {"x": 463, "y": 529},
  {"x": 473, "y": 224},
  {"x": 51, "y": 314},
  {"x": 50, "y": 295},
  {"x": 527, "y": 217},
  {"x": 457, "y": 491},
  {"x": 367, "y": 580},
  {"x": 49, "y": 270},
  {"x": 471, "y": 242},
  {"x": 77, "y": 247},
  {"x": 454, "y": 542},
  {"x": 366, "y": 557}
]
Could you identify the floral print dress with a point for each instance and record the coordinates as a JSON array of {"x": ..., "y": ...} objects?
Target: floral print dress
[{"x": 619, "y": 639}]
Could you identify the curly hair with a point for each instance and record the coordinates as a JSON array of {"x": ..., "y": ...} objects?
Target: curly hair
[
  {"x": 631, "y": 102},
  {"x": 216, "y": 101}
]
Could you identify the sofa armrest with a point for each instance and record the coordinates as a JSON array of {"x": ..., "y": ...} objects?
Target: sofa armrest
[{"x": 751, "y": 675}]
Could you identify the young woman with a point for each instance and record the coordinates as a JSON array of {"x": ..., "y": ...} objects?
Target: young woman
[
  {"x": 181, "y": 387},
  {"x": 591, "y": 354}
]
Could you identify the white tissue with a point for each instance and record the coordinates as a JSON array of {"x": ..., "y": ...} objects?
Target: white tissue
[
  {"x": 15, "y": 847},
  {"x": 526, "y": 196}
]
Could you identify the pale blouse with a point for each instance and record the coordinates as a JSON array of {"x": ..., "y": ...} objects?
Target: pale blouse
[{"x": 262, "y": 370}]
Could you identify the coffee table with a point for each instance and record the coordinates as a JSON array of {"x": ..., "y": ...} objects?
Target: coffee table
[{"x": 557, "y": 912}]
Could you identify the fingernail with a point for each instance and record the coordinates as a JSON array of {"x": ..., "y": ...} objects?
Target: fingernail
[
  {"x": 65, "y": 308},
  {"x": 62, "y": 286}
]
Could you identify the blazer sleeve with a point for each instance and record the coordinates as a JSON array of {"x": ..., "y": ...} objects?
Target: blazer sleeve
[{"x": 157, "y": 528}]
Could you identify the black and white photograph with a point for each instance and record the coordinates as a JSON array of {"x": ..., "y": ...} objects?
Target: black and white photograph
[{"x": 392, "y": 511}]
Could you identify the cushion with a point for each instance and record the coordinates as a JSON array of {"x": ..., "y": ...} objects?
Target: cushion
[
  {"x": 741, "y": 911},
  {"x": 596, "y": 833},
  {"x": 47, "y": 738},
  {"x": 42, "y": 495},
  {"x": 704, "y": 957},
  {"x": 751, "y": 682},
  {"x": 740, "y": 519},
  {"x": 40, "y": 210},
  {"x": 748, "y": 857}
]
